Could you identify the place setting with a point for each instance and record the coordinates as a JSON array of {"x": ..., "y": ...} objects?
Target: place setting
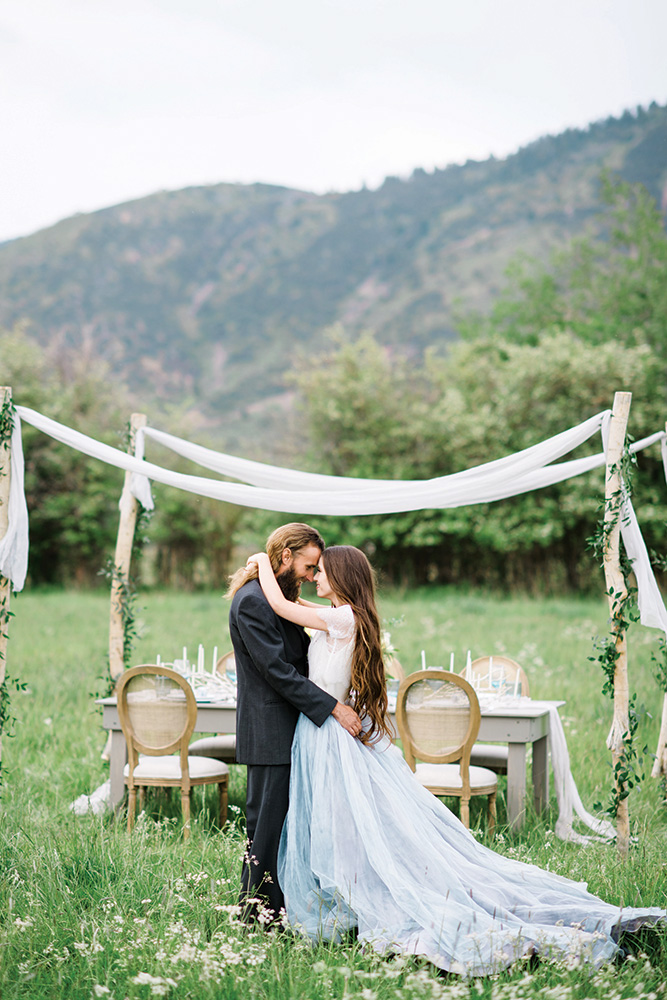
[{"x": 209, "y": 686}]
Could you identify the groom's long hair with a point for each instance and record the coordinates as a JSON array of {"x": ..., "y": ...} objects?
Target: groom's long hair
[
  {"x": 351, "y": 578},
  {"x": 292, "y": 536}
]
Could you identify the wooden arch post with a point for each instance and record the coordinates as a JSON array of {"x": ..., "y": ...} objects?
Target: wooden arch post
[
  {"x": 122, "y": 559},
  {"x": 5, "y": 462},
  {"x": 617, "y": 594}
]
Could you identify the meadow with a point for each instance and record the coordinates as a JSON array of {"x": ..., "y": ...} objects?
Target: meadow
[{"x": 87, "y": 910}]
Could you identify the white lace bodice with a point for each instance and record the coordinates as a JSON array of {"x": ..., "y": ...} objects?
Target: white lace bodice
[{"x": 330, "y": 653}]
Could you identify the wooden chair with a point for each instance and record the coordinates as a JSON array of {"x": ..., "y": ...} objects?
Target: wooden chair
[
  {"x": 157, "y": 711},
  {"x": 504, "y": 669},
  {"x": 492, "y": 755},
  {"x": 394, "y": 675},
  {"x": 438, "y": 719},
  {"x": 223, "y": 746},
  {"x": 225, "y": 662}
]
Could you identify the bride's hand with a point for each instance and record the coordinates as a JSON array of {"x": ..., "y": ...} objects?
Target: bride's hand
[{"x": 253, "y": 560}]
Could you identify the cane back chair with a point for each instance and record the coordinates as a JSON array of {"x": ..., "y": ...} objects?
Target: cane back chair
[
  {"x": 222, "y": 746},
  {"x": 157, "y": 711},
  {"x": 503, "y": 673},
  {"x": 438, "y": 719}
]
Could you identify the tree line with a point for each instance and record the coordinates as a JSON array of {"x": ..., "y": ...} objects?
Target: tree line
[{"x": 557, "y": 344}]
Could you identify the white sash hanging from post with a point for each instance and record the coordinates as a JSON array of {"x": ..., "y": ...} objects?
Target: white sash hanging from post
[{"x": 5, "y": 482}]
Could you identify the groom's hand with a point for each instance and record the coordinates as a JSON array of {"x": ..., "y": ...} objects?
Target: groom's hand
[{"x": 347, "y": 718}]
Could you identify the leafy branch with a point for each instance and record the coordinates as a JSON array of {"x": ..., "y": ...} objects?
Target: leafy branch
[
  {"x": 660, "y": 661},
  {"x": 126, "y": 596},
  {"x": 7, "y": 412},
  {"x": 628, "y": 769}
]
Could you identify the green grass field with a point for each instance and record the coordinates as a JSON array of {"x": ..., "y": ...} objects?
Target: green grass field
[{"x": 88, "y": 911}]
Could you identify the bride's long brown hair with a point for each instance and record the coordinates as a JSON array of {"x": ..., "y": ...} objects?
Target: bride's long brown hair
[{"x": 352, "y": 580}]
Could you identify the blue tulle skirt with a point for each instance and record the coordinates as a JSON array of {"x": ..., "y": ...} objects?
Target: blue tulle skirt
[{"x": 365, "y": 845}]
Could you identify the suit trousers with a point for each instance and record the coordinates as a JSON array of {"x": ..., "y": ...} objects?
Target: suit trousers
[{"x": 266, "y": 808}]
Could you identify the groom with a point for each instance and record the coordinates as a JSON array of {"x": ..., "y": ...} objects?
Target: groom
[{"x": 273, "y": 688}]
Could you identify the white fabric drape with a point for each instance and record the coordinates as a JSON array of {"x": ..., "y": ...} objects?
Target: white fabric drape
[
  {"x": 492, "y": 481},
  {"x": 345, "y": 496},
  {"x": 309, "y": 493},
  {"x": 14, "y": 546},
  {"x": 567, "y": 793},
  {"x": 652, "y": 611},
  {"x": 452, "y": 490}
]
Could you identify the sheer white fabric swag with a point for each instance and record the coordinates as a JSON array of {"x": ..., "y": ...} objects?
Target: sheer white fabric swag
[{"x": 269, "y": 487}]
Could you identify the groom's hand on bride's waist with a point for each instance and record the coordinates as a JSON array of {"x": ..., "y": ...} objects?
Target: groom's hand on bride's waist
[{"x": 347, "y": 718}]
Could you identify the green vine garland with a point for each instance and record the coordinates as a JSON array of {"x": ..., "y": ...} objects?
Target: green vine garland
[
  {"x": 660, "y": 661},
  {"x": 7, "y": 412},
  {"x": 628, "y": 770},
  {"x": 6, "y": 718},
  {"x": 126, "y": 589}
]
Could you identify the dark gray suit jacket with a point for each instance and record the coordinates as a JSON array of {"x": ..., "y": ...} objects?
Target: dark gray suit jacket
[{"x": 273, "y": 686}]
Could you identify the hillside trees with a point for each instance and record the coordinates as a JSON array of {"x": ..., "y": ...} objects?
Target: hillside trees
[
  {"x": 554, "y": 350},
  {"x": 560, "y": 341},
  {"x": 610, "y": 288},
  {"x": 73, "y": 499},
  {"x": 371, "y": 416}
]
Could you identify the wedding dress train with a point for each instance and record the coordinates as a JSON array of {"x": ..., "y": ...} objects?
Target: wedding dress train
[{"x": 365, "y": 845}]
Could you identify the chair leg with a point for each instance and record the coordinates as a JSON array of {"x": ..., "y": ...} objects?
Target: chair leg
[
  {"x": 465, "y": 813},
  {"x": 185, "y": 806},
  {"x": 492, "y": 814},
  {"x": 131, "y": 808},
  {"x": 142, "y": 798},
  {"x": 222, "y": 788}
]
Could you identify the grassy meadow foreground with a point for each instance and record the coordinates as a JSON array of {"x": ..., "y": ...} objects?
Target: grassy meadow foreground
[{"x": 88, "y": 911}]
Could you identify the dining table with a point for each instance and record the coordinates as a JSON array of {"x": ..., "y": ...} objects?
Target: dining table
[{"x": 519, "y": 723}]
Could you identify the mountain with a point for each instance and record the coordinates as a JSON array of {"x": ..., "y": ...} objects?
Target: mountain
[{"x": 205, "y": 294}]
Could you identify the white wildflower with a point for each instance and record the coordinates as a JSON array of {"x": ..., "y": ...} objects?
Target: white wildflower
[{"x": 159, "y": 987}]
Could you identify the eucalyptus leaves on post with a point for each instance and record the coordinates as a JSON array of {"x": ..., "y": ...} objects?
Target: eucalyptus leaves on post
[
  {"x": 619, "y": 740},
  {"x": 121, "y": 616}
]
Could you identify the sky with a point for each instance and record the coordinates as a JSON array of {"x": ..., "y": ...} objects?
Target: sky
[{"x": 104, "y": 101}]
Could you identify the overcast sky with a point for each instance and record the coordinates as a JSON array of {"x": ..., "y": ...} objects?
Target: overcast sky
[{"x": 108, "y": 100}]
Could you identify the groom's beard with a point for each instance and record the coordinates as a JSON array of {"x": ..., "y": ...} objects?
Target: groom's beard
[{"x": 290, "y": 584}]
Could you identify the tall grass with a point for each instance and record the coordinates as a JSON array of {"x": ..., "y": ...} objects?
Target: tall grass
[{"x": 87, "y": 910}]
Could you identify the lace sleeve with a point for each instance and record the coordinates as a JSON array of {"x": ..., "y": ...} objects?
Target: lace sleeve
[{"x": 340, "y": 621}]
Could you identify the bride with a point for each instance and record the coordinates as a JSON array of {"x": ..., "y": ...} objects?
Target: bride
[{"x": 365, "y": 846}]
